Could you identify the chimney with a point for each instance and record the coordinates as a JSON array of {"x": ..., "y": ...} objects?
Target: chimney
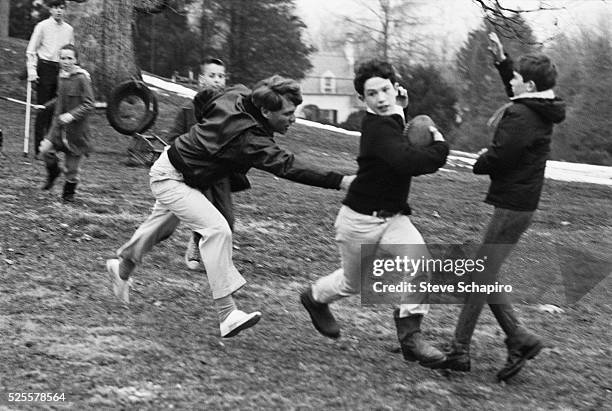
[{"x": 349, "y": 51}]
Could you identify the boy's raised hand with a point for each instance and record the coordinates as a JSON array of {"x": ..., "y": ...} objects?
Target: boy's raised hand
[
  {"x": 402, "y": 97},
  {"x": 346, "y": 181},
  {"x": 496, "y": 48}
]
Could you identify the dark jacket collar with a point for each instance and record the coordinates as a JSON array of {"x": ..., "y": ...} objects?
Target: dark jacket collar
[{"x": 254, "y": 112}]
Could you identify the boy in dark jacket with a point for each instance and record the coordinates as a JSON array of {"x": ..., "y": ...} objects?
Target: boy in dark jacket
[
  {"x": 210, "y": 81},
  {"x": 515, "y": 162},
  {"x": 69, "y": 130},
  {"x": 375, "y": 211}
]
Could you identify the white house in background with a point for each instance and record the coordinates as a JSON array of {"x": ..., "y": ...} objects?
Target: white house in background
[{"x": 329, "y": 86}]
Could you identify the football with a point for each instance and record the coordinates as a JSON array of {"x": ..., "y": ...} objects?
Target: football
[{"x": 417, "y": 130}]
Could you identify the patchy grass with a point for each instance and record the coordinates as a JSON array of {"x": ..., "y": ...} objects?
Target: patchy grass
[{"x": 63, "y": 331}]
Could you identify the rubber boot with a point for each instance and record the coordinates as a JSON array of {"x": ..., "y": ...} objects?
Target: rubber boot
[
  {"x": 414, "y": 347},
  {"x": 69, "y": 190}
]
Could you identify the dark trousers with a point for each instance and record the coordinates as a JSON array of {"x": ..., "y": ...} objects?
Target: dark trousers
[
  {"x": 503, "y": 232},
  {"x": 46, "y": 90}
]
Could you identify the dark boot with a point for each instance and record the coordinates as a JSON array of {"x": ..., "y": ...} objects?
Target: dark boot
[
  {"x": 322, "y": 318},
  {"x": 414, "y": 347},
  {"x": 457, "y": 357},
  {"x": 53, "y": 170},
  {"x": 521, "y": 347},
  {"x": 69, "y": 189}
]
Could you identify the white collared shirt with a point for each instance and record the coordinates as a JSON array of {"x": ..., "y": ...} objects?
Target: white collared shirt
[
  {"x": 397, "y": 109},
  {"x": 47, "y": 39},
  {"x": 547, "y": 94}
]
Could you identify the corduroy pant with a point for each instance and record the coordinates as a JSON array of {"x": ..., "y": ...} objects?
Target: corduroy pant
[
  {"x": 176, "y": 202},
  {"x": 394, "y": 236}
]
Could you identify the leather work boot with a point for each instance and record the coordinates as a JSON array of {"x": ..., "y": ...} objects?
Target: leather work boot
[
  {"x": 53, "y": 172},
  {"x": 69, "y": 189},
  {"x": 457, "y": 357},
  {"x": 322, "y": 318},
  {"x": 521, "y": 347},
  {"x": 414, "y": 347}
]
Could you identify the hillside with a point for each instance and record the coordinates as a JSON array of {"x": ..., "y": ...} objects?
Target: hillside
[{"x": 63, "y": 331}]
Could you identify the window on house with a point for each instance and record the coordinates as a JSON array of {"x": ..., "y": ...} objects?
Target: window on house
[
  {"x": 329, "y": 116},
  {"x": 328, "y": 83},
  {"x": 328, "y": 86}
]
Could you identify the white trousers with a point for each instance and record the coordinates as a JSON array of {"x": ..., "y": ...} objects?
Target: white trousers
[
  {"x": 394, "y": 236},
  {"x": 176, "y": 202}
]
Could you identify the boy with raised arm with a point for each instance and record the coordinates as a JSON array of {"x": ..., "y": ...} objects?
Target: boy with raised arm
[{"x": 515, "y": 163}]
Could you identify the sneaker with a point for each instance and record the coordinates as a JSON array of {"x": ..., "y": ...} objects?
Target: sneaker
[
  {"x": 520, "y": 349},
  {"x": 322, "y": 318},
  {"x": 192, "y": 255},
  {"x": 237, "y": 321},
  {"x": 121, "y": 287}
]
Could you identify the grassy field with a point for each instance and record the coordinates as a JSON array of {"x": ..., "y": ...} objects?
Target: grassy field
[{"x": 62, "y": 331}]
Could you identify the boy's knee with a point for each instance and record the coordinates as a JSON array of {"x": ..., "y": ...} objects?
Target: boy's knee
[{"x": 221, "y": 231}]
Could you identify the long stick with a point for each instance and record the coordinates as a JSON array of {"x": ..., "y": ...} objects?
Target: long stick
[
  {"x": 26, "y": 136},
  {"x": 14, "y": 100}
]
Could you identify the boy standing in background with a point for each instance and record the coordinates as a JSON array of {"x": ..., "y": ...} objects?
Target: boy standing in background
[{"x": 43, "y": 62}]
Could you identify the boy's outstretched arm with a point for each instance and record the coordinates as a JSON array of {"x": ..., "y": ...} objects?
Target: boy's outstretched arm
[
  {"x": 502, "y": 62},
  {"x": 263, "y": 153}
]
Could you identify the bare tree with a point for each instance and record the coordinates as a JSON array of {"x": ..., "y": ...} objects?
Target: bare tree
[
  {"x": 104, "y": 35},
  {"x": 387, "y": 24},
  {"x": 505, "y": 19}
]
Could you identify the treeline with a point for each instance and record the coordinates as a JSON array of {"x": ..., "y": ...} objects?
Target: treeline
[
  {"x": 584, "y": 63},
  {"x": 254, "y": 38}
]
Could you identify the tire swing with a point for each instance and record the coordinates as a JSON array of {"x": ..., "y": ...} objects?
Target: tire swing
[{"x": 132, "y": 108}]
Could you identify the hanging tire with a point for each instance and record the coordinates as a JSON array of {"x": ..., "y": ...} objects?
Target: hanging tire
[{"x": 132, "y": 107}]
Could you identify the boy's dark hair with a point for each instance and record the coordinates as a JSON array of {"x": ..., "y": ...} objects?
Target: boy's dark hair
[
  {"x": 268, "y": 92},
  {"x": 539, "y": 69},
  {"x": 73, "y": 48},
  {"x": 373, "y": 68},
  {"x": 55, "y": 3},
  {"x": 213, "y": 60}
]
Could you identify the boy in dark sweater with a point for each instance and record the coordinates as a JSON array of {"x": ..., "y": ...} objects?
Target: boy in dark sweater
[
  {"x": 515, "y": 162},
  {"x": 375, "y": 210}
]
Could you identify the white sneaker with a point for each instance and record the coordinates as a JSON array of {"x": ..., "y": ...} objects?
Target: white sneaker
[
  {"x": 237, "y": 321},
  {"x": 192, "y": 255},
  {"x": 121, "y": 287}
]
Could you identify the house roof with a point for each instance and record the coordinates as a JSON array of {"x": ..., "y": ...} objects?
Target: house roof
[{"x": 324, "y": 63}]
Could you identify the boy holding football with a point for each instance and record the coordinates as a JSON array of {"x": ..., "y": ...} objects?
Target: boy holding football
[{"x": 375, "y": 210}]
